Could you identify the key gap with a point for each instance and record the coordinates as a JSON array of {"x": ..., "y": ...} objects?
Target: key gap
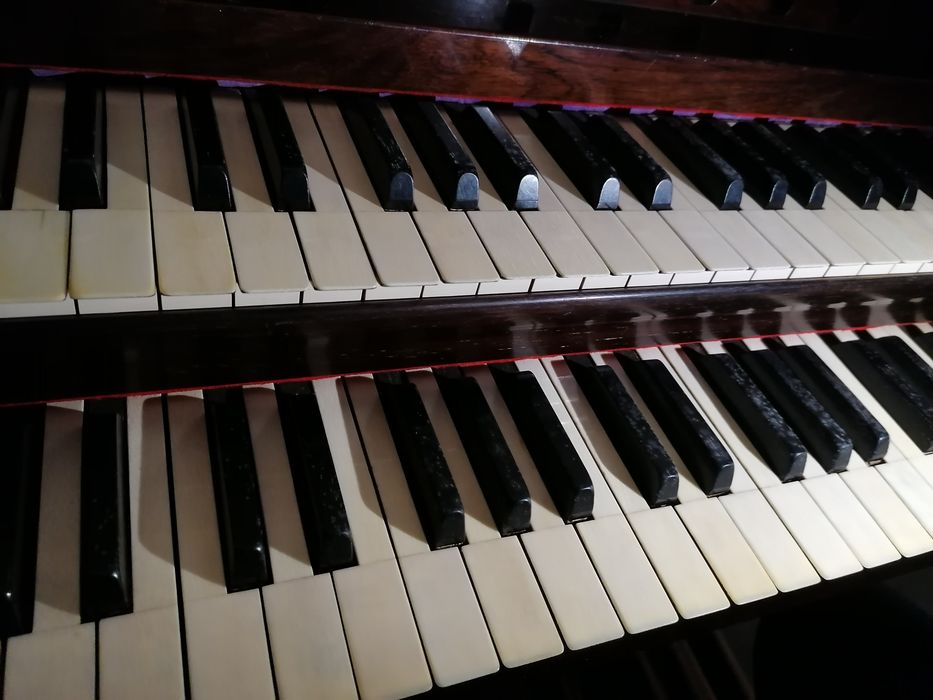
[
  {"x": 265, "y": 627},
  {"x": 155, "y": 260},
  {"x": 543, "y": 596},
  {"x": 333, "y": 589},
  {"x": 97, "y": 660},
  {"x": 170, "y": 473},
  {"x": 482, "y": 611}
]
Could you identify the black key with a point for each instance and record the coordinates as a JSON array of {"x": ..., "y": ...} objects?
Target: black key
[
  {"x": 695, "y": 442},
  {"x": 647, "y": 180},
  {"x": 12, "y": 114},
  {"x": 240, "y": 521},
  {"x": 822, "y": 435},
  {"x": 911, "y": 147},
  {"x": 106, "y": 567},
  {"x": 807, "y": 184},
  {"x": 713, "y": 176},
  {"x": 924, "y": 340},
  {"x": 323, "y": 515},
  {"x": 869, "y": 438},
  {"x": 562, "y": 472},
  {"x": 588, "y": 170},
  {"x": 381, "y": 155},
  {"x": 492, "y": 461},
  {"x": 21, "y": 435},
  {"x": 432, "y": 487},
  {"x": 766, "y": 184},
  {"x": 83, "y": 177},
  {"x": 641, "y": 451},
  {"x": 851, "y": 176},
  {"x": 282, "y": 163},
  {"x": 451, "y": 169},
  {"x": 912, "y": 365},
  {"x": 873, "y": 366},
  {"x": 774, "y": 439},
  {"x": 898, "y": 184},
  {"x": 207, "y": 166},
  {"x": 502, "y": 159}
]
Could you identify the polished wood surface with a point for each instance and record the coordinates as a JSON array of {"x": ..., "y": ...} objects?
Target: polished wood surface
[
  {"x": 301, "y": 48},
  {"x": 83, "y": 356}
]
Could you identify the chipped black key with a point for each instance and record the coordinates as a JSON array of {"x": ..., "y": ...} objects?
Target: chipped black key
[
  {"x": 869, "y": 438},
  {"x": 696, "y": 443},
  {"x": 498, "y": 153},
  {"x": 641, "y": 451},
  {"x": 822, "y": 435},
  {"x": 82, "y": 181},
  {"x": 844, "y": 170},
  {"x": 279, "y": 155},
  {"x": 106, "y": 567},
  {"x": 712, "y": 175},
  {"x": 432, "y": 488},
  {"x": 766, "y": 184},
  {"x": 385, "y": 163},
  {"x": 562, "y": 472},
  {"x": 21, "y": 438},
  {"x": 768, "y": 432},
  {"x": 873, "y": 366},
  {"x": 588, "y": 170},
  {"x": 451, "y": 169},
  {"x": 807, "y": 184},
  {"x": 12, "y": 115},
  {"x": 498, "y": 476},
  {"x": 647, "y": 180},
  {"x": 899, "y": 185},
  {"x": 240, "y": 521},
  {"x": 204, "y": 153},
  {"x": 317, "y": 490}
]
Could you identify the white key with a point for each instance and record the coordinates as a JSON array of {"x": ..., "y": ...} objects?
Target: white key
[
  {"x": 202, "y": 574},
  {"x": 227, "y": 652},
  {"x": 370, "y": 537},
  {"x": 622, "y": 565},
  {"x": 333, "y": 251},
  {"x": 140, "y": 655},
  {"x": 786, "y": 564},
  {"x": 265, "y": 250},
  {"x": 903, "y": 530},
  {"x": 708, "y": 245},
  {"x": 666, "y": 249},
  {"x": 512, "y": 247},
  {"x": 843, "y": 260},
  {"x": 878, "y": 259},
  {"x": 381, "y": 633},
  {"x": 53, "y": 665},
  {"x": 397, "y": 252},
  {"x": 455, "y": 638},
  {"x": 762, "y": 257},
  {"x": 288, "y": 552},
  {"x": 451, "y": 624},
  {"x": 58, "y": 551},
  {"x": 37, "y": 169},
  {"x": 618, "y": 247},
  {"x": 310, "y": 658},
  {"x": 912, "y": 489},
  {"x": 804, "y": 259},
  {"x": 518, "y": 617},
  {"x": 192, "y": 251},
  {"x": 111, "y": 249},
  {"x": 34, "y": 258},
  {"x": 454, "y": 247},
  {"x": 150, "y": 520}
]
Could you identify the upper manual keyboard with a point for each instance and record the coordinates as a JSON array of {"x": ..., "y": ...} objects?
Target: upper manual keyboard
[{"x": 129, "y": 198}]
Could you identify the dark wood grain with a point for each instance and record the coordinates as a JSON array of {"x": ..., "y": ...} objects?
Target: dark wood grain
[
  {"x": 81, "y": 356},
  {"x": 300, "y": 48}
]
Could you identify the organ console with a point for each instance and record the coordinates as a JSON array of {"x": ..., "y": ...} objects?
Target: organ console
[{"x": 359, "y": 351}]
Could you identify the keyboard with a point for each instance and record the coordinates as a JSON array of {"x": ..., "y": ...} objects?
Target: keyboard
[
  {"x": 377, "y": 535},
  {"x": 145, "y": 197}
]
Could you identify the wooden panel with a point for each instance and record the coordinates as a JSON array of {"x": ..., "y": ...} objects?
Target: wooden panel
[{"x": 56, "y": 358}]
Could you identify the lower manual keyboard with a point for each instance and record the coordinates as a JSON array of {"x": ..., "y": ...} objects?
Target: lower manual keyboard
[{"x": 366, "y": 536}]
